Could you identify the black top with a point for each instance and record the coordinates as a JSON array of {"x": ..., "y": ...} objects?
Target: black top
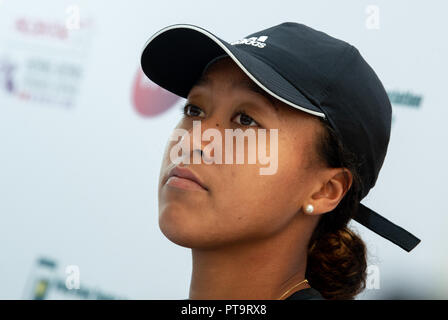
[{"x": 306, "y": 294}]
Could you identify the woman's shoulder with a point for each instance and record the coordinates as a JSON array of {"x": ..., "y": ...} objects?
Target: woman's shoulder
[{"x": 306, "y": 294}]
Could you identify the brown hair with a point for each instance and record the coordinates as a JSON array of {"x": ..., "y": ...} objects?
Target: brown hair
[{"x": 336, "y": 265}]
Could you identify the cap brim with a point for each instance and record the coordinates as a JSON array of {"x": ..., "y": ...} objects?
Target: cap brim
[{"x": 175, "y": 57}]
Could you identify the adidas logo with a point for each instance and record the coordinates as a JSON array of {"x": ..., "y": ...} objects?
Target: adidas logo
[{"x": 253, "y": 41}]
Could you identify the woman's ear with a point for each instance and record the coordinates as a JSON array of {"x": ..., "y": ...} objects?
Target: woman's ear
[{"x": 335, "y": 185}]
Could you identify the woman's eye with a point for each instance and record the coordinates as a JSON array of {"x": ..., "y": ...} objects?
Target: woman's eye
[
  {"x": 192, "y": 110},
  {"x": 245, "y": 120},
  {"x": 242, "y": 118}
]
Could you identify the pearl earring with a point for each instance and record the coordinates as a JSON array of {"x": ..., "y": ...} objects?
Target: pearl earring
[{"x": 309, "y": 208}]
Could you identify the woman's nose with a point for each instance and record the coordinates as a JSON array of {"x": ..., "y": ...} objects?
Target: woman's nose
[{"x": 200, "y": 136}]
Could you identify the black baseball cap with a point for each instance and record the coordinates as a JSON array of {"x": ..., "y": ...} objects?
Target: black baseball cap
[{"x": 304, "y": 68}]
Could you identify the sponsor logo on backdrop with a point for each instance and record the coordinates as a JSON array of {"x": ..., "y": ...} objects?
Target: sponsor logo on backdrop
[
  {"x": 404, "y": 99},
  {"x": 42, "y": 61},
  {"x": 48, "y": 282},
  {"x": 149, "y": 99}
]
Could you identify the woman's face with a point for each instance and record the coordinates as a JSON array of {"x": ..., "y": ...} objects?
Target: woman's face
[{"x": 240, "y": 204}]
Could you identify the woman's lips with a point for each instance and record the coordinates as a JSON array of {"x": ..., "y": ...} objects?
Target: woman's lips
[
  {"x": 184, "y": 178},
  {"x": 184, "y": 183}
]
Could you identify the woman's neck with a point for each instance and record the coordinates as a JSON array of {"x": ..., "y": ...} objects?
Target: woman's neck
[{"x": 254, "y": 270}]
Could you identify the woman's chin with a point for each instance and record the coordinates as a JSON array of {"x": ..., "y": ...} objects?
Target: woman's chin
[
  {"x": 198, "y": 229},
  {"x": 181, "y": 230}
]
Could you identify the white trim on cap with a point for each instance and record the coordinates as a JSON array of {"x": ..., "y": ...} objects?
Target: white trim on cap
[{"x": 211, "y": 36}]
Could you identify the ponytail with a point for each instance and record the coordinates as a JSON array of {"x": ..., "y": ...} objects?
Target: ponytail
[{"x": 337, "y": 261}]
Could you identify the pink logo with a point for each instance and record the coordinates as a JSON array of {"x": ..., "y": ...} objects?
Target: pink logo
[{"x": 148, "y": 98}]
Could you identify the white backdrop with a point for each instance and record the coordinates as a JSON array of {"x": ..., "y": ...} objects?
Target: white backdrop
[{"x": 81, "y": 137}]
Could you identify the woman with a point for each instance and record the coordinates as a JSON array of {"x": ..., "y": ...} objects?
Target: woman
[{"x": 281, "y": 235}]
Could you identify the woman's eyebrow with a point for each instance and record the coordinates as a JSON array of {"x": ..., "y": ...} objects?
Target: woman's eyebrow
[
  {"x": 206, "y": 81},
  {"x": 252, "y": 86}
]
